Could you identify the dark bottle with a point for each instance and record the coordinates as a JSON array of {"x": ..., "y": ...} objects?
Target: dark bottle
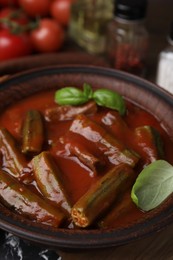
[{"x": 127, "y": 36}]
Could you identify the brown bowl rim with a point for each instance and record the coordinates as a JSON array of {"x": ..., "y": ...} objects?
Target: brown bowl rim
[{"x": 84, "y": 239}]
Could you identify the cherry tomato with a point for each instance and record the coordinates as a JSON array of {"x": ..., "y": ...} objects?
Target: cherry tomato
[
  {"x": 13, "y": 46},
  {"x": 60, "y": 10},
  {"x": 8, "y": 2},
  {"x": 48, "y": 37},
  {"x": 12, "y": 15},
  {"x": 35, "y": 7}
]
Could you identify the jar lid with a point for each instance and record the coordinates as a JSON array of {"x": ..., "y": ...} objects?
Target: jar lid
[{"x": 130, "y": 9}]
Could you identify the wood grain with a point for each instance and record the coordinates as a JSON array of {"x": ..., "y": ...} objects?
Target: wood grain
[{"x": 157, "y": 246}]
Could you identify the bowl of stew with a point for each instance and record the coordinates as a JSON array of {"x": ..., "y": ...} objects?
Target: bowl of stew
[{"x": 67, "y": 169}]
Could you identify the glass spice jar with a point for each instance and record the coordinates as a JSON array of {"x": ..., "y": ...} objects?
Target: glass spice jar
[
  {"x": 88, "y": 24},
  {"x": 127, "y": 37}
]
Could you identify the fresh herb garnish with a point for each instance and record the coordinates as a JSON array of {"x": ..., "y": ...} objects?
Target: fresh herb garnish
[
  {"x": 153, "y": 185},
  {"x": 103, "y": 97},
  {"x": 70, "y": 96},
  {"x": 110, "y": 99}
]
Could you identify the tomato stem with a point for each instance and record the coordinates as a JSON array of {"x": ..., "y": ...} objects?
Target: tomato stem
[{"x": 15, "y": 27}]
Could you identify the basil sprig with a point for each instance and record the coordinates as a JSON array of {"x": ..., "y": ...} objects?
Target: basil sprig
[
  {"x": 103, "y": 97},
  {"x": 110, "y": 99},
  {"x": 153, "y": 185}
]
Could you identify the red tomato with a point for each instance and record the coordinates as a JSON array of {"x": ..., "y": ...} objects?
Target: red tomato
[
  {"x": 14, "y": 15},
  {"x": 8, "y": 2},
  {"x": 48, "y": 37},
  {"x": 60, "y": 10},
  {"x": 35, "y": 7},
  {"x": 13, "y": 46}
]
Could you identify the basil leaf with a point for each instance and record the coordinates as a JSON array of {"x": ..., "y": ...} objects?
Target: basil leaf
[
  {"x": 110, "y": 99},
  {"x": 70, "y": 96},
  {"x": 87, "y": 90},
  {"x": 153, "y": 185},
  {"x": 103, "y": 97}
]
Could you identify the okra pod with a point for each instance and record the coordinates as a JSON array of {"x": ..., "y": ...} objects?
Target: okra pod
[
  {"x": 13, "y": 160},
  {"x": 149, "y": 143},
  {"x": 101, "y": 195},
  {"x": 49, "y": 179},
  {"x": 114, "y": 123},
  {"x": 22, "y": 200},
  {"x": 121, "y": 207},
  {"x": 32, "y": 133},
  {"x": 60, "y": 113},
  {"x": 78, "y": 149},
  {"x": 112, "y": 148}
]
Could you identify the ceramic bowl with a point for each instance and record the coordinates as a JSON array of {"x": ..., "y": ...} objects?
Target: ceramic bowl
[{"x": 140, "y": 91}]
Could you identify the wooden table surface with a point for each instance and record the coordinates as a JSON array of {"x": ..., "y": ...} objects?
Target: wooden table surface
[{"x": 155, "y": 247}]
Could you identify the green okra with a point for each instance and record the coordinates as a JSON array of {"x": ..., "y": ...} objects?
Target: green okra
[
  {"x": 22, "y": 200},
  {"x": 101, "y": 195},
  {"x": 49, "y": 179},
  {"x": 119, "y": 209},
  {"x": 32, "y": 133},
  {"x": 86, "y": 157},
  {"x": 148, "y": 138},
  {"x": 113, "y": 149},
  {"x": 60, "y": 113},
  {"x": 13, "y": 160}
]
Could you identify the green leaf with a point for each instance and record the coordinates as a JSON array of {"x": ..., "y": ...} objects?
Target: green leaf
[
  {"x": 103, "y": 97},
  {"x": 110, "y": 99},
  {"x": 70, "y": 96},
  {"x": 87, "y": 90},
  {"x": 153, "y": 185}
]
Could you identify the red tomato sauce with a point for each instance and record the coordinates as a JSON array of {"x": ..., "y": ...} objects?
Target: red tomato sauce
[{"x": 77, "y": 176}]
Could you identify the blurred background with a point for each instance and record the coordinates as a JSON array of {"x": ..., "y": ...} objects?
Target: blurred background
[{"x": 48, "y": 27}]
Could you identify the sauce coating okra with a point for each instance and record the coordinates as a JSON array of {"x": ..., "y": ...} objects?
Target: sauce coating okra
[{"x": 74, "y": 166}]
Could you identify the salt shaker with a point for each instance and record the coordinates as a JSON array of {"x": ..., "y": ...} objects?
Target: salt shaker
[
  {"x": 127, "y": 36},
  {"x": 164, "y": 76}
]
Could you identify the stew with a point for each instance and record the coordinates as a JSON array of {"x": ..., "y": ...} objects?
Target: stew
[{"x": 74, "y": 166}]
